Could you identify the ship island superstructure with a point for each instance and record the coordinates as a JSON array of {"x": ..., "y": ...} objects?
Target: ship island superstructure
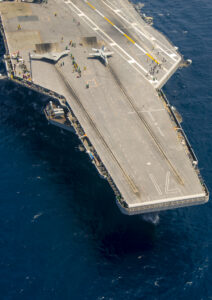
[{"x": 104, "y": 68}]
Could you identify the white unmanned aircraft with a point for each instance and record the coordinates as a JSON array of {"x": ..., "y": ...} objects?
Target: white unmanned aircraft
[{"x": 101, "y": 53}]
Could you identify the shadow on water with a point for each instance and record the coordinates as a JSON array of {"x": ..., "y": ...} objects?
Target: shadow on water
[
  {"x": 128, "y": 236},
  {"x": 93, "y": 203}
]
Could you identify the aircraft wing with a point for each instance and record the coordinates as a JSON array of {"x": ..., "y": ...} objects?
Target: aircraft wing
[
  {"x": 108, "y": 53},
  {"x": 95, "y": 54}
]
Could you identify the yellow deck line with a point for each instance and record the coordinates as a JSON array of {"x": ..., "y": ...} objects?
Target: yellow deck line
[
  {"x": 150, "y": 56},
  {"x": 91, "y": 5},
  {"x": 129, "y": 38},
  {"x": 109, "y": 21}
]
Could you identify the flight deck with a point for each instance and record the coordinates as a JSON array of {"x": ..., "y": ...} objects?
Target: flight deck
[{"x": 115, "y": 104}]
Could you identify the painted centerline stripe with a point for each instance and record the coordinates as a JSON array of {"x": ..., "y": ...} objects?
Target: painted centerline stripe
[
  {"x": 117, "y": 11},
  {"x": 124, "y": 34},
  {"x": 93, "y": 26},
  {"x": 150, "y": 56},
  {"x": 131, "y": 40},
  {"x": 91, "y": 5},
  {"x": 109, "y": 21}
]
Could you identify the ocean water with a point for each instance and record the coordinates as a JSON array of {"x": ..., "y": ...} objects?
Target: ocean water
[{"x": 61, "y": 233}]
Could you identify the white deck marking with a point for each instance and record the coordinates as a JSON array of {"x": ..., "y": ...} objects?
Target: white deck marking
[
  {"x": 151, "y": 116},
  {"x": 169, "y": 190},
  {"x": 93, "y": 25},
  {"x": 122, "y": 32},
  {"x": 165, "y": 75},
  {"x": 116, "y": 11},
  {"x": 151, "y": 176},
  {"x": 160, "y": 131},
  {"x": 167, "y": 200}
]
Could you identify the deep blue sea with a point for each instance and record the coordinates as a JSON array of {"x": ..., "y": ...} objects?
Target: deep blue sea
[{"x": 62, "y": 235}]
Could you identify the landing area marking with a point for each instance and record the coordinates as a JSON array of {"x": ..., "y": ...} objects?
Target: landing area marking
[
  {"x": 161, "y": 47},
  {"x": 110, "y": 41},
  {"x": 123, "y": 33}
]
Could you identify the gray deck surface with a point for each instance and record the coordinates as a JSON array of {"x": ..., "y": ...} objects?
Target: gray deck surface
[{"x": 121, "y": 112}]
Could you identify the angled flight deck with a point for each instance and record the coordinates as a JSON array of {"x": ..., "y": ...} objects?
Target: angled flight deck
[{"x": 115, "y": 104}]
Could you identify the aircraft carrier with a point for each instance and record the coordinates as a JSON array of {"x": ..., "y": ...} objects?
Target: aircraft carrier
[{"x": 104, "y": 67}]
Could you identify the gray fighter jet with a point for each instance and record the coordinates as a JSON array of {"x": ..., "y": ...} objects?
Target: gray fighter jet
[{"x": 102, "y": 54}]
